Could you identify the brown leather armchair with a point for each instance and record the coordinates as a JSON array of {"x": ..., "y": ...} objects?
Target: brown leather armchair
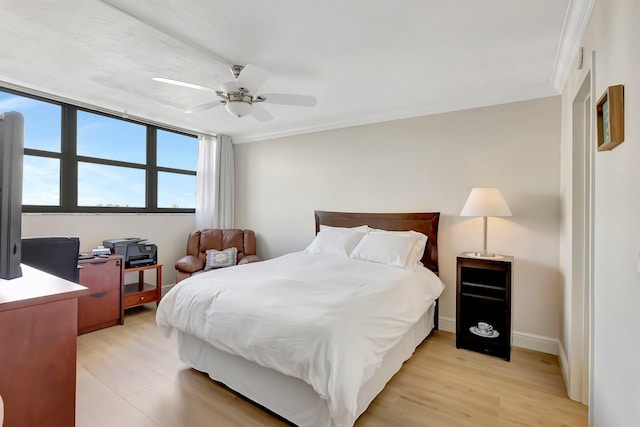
[{"x": 219, "y": 239}]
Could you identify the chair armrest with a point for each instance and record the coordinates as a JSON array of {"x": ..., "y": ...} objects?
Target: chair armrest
[
  {"x": 248, "y": 258},
  {"x": 189, "y": 264}
]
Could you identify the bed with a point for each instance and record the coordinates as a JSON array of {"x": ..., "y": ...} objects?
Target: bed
[{"x": 308, "y": 356}]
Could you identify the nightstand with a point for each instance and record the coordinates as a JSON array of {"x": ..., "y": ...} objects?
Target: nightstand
[{"x": 483, "y": 295}]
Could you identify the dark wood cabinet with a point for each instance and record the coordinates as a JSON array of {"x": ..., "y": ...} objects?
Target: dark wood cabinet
[
  {"x": 103, "y": 306},
  {"x": 484, "y": 297}
]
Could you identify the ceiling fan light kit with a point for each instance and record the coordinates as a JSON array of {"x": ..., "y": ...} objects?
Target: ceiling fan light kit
[
  {"x": 238, "y": 108},
  {"x": 238, "y": 97}
]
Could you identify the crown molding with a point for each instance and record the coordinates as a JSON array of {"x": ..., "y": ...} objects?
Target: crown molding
[
  {"x": 347, "y": 123},
  {"x": 573, "y": 27},
  {"x": 384, "y": 117},
  {"x": 313, "y": 128}
]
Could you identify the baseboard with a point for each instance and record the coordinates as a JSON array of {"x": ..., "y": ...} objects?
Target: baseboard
[
  {"x": 519, "y": 339},
  {"x": 535, "y": 342},
  {"x": 447, "y": 324},
  {"x": 564, "y": 365}
]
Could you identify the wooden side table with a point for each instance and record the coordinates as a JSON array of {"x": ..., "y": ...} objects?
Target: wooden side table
[{"x": 142, "y": 293}]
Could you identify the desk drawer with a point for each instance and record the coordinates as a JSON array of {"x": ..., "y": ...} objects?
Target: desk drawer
[
  {"x": 99, "y": 308},
  {"x": 137, "y": 298},
  {"x": 100, "y": 276}
]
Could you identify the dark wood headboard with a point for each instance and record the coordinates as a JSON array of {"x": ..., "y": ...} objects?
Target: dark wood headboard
[{"x": 423, "y": 222}]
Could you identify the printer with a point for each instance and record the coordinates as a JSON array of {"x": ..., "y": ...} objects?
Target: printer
[{"x": 137, "y": 252}]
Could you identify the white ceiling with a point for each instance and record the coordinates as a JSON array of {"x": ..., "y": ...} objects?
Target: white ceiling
[{"x": 365, "y": 61}]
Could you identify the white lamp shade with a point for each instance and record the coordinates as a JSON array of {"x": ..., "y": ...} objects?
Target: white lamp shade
[
  {"x": 485, "y": 202},
  {"x": 239, "y": 108}
]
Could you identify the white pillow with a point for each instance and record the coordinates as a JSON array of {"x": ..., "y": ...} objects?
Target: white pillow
[
  {"x": 418, "y": 249},
  {"x": 334, "y": 241},
  {"x": 399, "y": 248}
]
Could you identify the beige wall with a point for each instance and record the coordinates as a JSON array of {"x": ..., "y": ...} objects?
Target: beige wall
[
  {"x": 424, "y": 164},
  {"x": 613, "y": 33},
  {"x": 168, "y": 231}
]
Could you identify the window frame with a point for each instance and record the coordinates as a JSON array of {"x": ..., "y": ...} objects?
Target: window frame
[{"x": 69, "y": 160}]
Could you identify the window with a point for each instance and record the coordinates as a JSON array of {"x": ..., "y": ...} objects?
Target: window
[
  {"x": 112, "y": 162},
  {"x": 42, "y": 142},
  {"x": 83, "y": 161},
  {"x": 177, "y": 151},
  {"x": 177, "y": 157},
  {"x": 106, "y": 186},
  {"x": 41, "y": 181},
  {"x": 113, "y": 139},
  {"x": 42, "y": 121}
]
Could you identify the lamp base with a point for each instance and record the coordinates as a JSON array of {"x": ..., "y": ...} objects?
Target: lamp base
[{"x": 484, "y": 255}]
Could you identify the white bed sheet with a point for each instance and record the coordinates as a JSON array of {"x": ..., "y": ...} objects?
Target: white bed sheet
[
  {"x": 324, "y": 319},
  {"x": 292, "y": 398}
]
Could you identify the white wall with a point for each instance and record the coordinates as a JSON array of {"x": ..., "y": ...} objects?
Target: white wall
[
  {"x": 168, "y": 231},
  {"x": 424, "y": 164},
  {"x": 613, "y": 33}
]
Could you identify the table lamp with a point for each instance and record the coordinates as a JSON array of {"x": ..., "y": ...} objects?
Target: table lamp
[{"x": 485, "y": 202}]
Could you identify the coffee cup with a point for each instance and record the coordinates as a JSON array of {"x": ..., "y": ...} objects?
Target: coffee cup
[{"x": 485, "y": 328}]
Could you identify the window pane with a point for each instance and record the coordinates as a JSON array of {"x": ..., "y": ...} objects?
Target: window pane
[
  {"x": 176, "y": 190},
  {"x": 42, "y": 121},
  {"x": 110, "y": 186},
  {"x": 41, "y": 181},
  {"x": 177, "y": 151},
  {"x": 113, "y": 139}
]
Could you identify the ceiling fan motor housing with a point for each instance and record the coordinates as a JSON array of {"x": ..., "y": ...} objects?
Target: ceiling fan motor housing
[{"x": 236, "y": 70}]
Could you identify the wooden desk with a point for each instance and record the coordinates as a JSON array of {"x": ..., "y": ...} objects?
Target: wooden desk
[{"x": 38, "y": 327}]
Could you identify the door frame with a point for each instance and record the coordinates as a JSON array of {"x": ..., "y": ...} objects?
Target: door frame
[{"x": 582, "y": 235}]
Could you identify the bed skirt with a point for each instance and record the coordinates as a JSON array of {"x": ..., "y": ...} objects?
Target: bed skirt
[{"x": 289, "y": 397}]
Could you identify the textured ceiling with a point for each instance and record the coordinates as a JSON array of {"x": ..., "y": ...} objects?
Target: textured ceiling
[{"x": 365, "y": 61}]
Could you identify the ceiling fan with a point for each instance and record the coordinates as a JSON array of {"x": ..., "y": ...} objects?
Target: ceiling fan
[{"x": 240, "y": 98}]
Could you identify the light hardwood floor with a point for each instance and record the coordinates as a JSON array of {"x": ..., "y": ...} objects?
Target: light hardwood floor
[{"x": 131, "y": 376}]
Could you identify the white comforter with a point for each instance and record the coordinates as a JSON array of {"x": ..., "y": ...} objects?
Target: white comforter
[{"x": 324, "y": 319}]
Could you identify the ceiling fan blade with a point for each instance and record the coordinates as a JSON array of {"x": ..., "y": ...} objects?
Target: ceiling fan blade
[
  {"x": 289, "y": 99},
  {"x": 260, "y": 113},
  {"x": 203, "y": 107},
  {"x": 252, "y": 77},
  {"x": 184, "y": 84}
]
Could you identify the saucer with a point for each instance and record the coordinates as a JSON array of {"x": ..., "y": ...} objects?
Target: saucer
[{"x": 492, "y": 334}]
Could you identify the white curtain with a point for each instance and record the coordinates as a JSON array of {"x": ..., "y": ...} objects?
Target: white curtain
[{"x": 215, "y": 184}]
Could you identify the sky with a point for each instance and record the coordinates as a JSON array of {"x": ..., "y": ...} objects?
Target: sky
[{"x": 107, "y": 138}]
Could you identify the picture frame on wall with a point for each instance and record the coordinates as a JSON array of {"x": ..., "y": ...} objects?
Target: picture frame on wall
[{"x": 610, "y": 118}]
